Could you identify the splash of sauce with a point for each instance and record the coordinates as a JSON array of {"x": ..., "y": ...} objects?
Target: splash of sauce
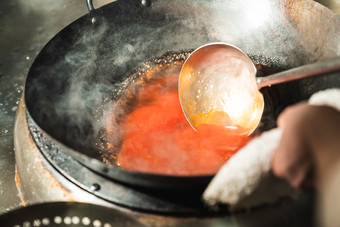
[{"x": 158, "y": 138}]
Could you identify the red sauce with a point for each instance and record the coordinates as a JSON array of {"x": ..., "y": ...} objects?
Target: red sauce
[{"x": 158, "y": 138}]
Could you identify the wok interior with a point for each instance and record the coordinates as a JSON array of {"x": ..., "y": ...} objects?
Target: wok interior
[{"x": 88, "y": 67}]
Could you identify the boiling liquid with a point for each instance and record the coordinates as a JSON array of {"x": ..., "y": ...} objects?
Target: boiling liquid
[{"x": 158, "y": 138}]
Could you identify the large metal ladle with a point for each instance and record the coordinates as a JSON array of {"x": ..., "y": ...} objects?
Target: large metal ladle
[{"x": 218, "y": 85}]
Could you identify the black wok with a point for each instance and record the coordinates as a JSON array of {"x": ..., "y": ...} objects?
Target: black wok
[{"x": 84, "y": 70}]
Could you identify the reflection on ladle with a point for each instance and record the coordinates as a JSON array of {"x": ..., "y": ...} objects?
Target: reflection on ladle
[{"x": 218, "y": 85}]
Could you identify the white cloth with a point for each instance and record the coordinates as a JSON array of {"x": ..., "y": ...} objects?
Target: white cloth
[{"x": 246, "y": 179}]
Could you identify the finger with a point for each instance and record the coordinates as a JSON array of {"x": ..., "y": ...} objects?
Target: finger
[
  {"x": 295, "y": 173},
  {"x": 290, "y": 113},
  {"x": 290, "y": 159},
  {"x": 298, "y": 175}
]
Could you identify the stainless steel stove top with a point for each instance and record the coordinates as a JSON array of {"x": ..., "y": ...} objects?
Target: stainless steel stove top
[{"x": 25, "y": 27}]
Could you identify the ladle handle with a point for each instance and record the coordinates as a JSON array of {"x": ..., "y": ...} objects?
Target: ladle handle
[{"x": 315, "y": 69}]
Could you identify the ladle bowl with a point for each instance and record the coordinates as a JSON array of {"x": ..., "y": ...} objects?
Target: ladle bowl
[{"x": 218, "y": 85}]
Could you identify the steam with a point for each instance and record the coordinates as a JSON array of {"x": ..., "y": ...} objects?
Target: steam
[
  {"x": 73, "y": 91},
  {"x": 87, "y": 90},
  {"x": 81, "y": 93}
]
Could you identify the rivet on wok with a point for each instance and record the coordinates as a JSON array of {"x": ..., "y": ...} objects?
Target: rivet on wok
[
  {"x": 95, "y": 187},
  {"x": 93, "y": 20}
]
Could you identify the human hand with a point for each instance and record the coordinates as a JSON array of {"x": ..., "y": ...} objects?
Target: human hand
[{"x": 309, "y": 146}]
